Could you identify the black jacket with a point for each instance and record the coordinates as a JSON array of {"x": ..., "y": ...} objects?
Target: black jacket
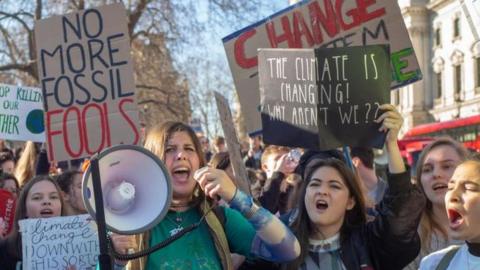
[
  {"x": 391, "y": 240},
  {"x": 9, "y": 254},
  {"x": 271, "y": 197},
  {"x": 388, "y": 242}
]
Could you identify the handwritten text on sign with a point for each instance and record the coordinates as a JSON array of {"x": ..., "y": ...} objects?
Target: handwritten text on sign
[
  {"x": 55, "y": 243},
  {"x": 319, "y": 24},
  {"x": 87, "y": 81},
  {"x": 323, "y": 95},
  {"x": 21, "y": 113}
]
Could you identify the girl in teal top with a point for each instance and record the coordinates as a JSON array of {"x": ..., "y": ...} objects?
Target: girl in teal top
[{"x": 247, "y": 229}]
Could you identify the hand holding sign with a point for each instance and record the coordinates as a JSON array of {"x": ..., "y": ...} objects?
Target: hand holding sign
[{"x": 391, "y": 121}]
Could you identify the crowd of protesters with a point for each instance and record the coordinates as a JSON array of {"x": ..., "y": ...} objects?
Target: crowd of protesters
[{"x": 306, "y": 209}]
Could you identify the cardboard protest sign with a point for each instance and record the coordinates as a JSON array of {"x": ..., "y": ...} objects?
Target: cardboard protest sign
[
  {"x": 55, "y": 243},
  {"x": 86, "y": 74},
  {"x": 21, "y": 113},
  {"x": 319, "y": 24},
  {"x": 234, "y": 149},
  {"x": 324, "y": 98},
  {"x": 7, "y": 211}
]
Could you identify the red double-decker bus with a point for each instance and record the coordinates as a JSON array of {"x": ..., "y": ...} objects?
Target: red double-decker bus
[{"x": 464, "y": 130}]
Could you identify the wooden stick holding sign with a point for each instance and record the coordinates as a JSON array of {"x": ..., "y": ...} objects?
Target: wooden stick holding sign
[{"x": 239, "y": 170}]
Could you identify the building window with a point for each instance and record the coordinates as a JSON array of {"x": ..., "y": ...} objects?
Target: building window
[
  {"x": 439, "y": 93},
  {"x": 458, "y": 82},
  {"x": 438, "y": 37},
  {"x": 456, "y": 27}
]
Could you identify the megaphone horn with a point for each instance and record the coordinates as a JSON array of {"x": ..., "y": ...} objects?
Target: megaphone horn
[{"x": 136, "y": 189}]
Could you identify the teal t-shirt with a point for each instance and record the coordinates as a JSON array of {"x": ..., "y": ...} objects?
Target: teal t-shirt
[{"x": 196, "y": 249}]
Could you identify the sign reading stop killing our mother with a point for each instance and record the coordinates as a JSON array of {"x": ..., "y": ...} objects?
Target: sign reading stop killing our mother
[
  {"x": 21, "y": 113},
  {"x": 86, "y": 75},
  {"x": 324, "y": 98},
  {"x": 59, "y": 242}
]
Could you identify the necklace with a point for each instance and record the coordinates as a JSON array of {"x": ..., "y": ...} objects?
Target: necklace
[{"x": 177, "y": 222}]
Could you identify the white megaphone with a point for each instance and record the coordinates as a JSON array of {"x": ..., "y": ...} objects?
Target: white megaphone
[{"x": 136, "y": 189}]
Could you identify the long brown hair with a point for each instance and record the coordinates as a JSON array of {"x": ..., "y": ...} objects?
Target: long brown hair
[
  {"x": 25, "y": 167},
  {"x": 21, "y": 210},
  {"x": 428, "y": 224},
  {"x": 302, "y": 226}
]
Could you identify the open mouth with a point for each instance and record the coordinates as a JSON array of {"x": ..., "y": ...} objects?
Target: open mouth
[
  {"x": 46, "y": 212},
  {"x": 321, "y": 205},
  {"x": 439, "y": 187},
  {"x": 181, "y": 173},
  {"x": 455, "y": 218}
]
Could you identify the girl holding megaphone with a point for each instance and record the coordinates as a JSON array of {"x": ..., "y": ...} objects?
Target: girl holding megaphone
[{"x": 244, "y": 228}]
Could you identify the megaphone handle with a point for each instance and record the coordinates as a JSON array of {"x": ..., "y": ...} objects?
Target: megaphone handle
[{"x": 104, "y": 258}]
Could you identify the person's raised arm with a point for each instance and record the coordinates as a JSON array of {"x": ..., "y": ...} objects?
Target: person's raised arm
[
  {"x": 273, "y": 240},
  {"x": 392, "y": 122}
]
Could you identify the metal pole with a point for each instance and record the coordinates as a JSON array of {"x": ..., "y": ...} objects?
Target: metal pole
[{"x": 104, "y": 258}]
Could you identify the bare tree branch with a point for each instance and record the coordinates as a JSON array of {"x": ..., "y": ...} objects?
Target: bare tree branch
[
  {"x": 16, "y": 17},
  {"x": 22, "y": 67},
  {"x": 11, "y": 46},
  {"x": 135, "y": 15},
  {"x": 38, "y": 10},
  {"x": 158, "y": 102},
  {"x": 151, "y": 87}
]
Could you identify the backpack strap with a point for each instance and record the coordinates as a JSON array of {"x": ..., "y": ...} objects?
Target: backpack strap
[
  {"x": 447, "y": 258},
  {"x": 220, "y": 213}
]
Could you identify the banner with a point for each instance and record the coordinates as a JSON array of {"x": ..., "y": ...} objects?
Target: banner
[
  {"x": 86, "y": 74},
  {"x": 21, "y": 113},
  {"x": 324, "y": 98},
  {"x": 319, "y": 24},
  {"x": 234, "y": 149},
  {"x": 59, "y": 242}
]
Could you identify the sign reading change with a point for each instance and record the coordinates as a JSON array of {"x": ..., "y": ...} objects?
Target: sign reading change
[
  {"x": 86, "y": 73},
  {"x": 319, "y": 24},
  {"x": 324, "y": 98},
  {"x": 59, "y": 243},
  {"x": 21, "y": 113}
]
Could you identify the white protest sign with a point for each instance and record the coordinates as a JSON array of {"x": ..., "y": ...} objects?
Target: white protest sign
[
  {"x": 55, "y": 243},
  {"x": 86, "y": 74},
  {"x": 319, "y": 24},
  {"x": 21, "y": 113}
]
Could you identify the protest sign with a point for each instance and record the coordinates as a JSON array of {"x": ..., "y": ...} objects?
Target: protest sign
[
  {"x": 7, "y": 211},
  {"x": 324, "y": 98},
  {"x": 86, "y": 74},
  {"x": 234, "y": 149},
  {"x": 21, "y": 113},
  {"x": 58, "y": 242},
  {"x": 319, "y": 24}
]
